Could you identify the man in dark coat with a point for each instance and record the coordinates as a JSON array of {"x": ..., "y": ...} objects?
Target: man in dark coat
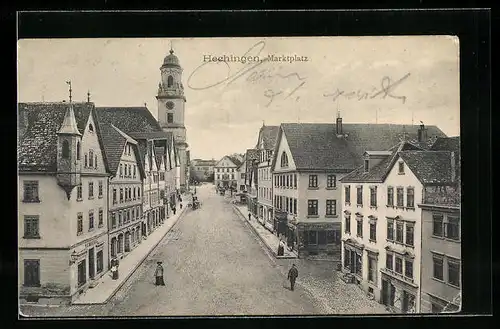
[
  {"x": 249, "y": 216},
  {"x": 159, "y": 275},
  {"x": 292, "y": 276}
]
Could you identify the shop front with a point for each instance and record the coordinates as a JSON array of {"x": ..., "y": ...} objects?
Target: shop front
[
  {"x": 88, "y": 262},
  {"x": 398, "y": 295},
  {"x": 322, "y": 238},
  {"x": 353, "y": 259}
]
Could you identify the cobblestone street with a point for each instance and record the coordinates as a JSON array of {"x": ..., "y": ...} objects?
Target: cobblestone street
[{"x": 216, "y": 265}]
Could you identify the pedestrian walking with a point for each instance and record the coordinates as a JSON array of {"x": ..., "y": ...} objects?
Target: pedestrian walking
[
  {"x": 292, "y": 276},
  {"x": 174, "y": 210},
  {"x": 249, "y": 216},
  {"x": 281, "y": 248},
  {"x": 159, "y": 275}
]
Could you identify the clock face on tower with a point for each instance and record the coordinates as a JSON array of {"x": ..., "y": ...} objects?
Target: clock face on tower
[{"x": 170, "y": 105}]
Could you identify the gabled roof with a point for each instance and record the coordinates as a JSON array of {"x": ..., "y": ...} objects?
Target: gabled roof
[
  {"x": 235, "y": 160},
  {"x": 129, "y": 119},
  {"x": 114, "y": 141},
  {"x": 315, "y": 146},
  {"x": 447, "y": 144},
  {"x": 379, "y": 172},
  {"x": 430, "y": 167},
  {"x": 269, "y": 135},
  {"x": 39, "y": 123},
  {"x": 243, "y": 162}
]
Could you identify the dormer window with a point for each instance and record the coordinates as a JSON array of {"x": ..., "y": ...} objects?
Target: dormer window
[
  {"x": 91, "y": 127},
  {"x": 284, "y": 160},
  {"x": 401, "y": 167},
  {"x": 367, "y": 165}
]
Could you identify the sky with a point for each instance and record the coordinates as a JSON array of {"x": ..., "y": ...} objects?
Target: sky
[{"x": 400, "y": 79}]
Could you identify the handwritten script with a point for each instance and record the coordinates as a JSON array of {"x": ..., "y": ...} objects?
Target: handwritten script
[
  {"x": 387, "y": 88},
  {"x": 263, "y": 71}
]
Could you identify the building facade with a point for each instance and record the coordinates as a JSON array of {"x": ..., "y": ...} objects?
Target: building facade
[
  {"x": 309, "y": 161},
  {"x": 203, "y": 170},
  {"x": 251, "y": 180},
  {"x": 241, "y": 175},
  {"x": 171, "y": 110},
  {"x": 226, "y": 172},
  {"x": 63, "y": 181},
  {"x": 125, "y": 191},
  {"x": 265, "y": 145}
]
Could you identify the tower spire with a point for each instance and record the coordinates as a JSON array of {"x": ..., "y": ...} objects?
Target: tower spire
[
  {"x": 88, "y": 96},
  {"x": 171, "y": 48},
  {"x": 69, "y": 125},
  {"x": 70, "y": 90}
]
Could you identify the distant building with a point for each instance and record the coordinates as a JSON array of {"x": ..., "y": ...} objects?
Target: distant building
[
  {"x": 265, "y": 145},
  {"x": 226, "y": 172},
  {"x": 241, "y": 175},
  {"x": 382, "y": 248},
  {"x": 251, "y": 180},
  {"x": 203, "y": 170},
  {"x": 308, "y": 163},
  {"x": 62, "y": 208},
  {"x": 441, "y": 239}
]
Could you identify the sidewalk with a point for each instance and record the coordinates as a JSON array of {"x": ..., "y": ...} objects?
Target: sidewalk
[
  {"x": 270, "y": 240},
  {"x": 107, "y": 287}
]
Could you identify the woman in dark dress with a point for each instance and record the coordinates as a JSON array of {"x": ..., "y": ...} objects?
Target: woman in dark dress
[{"x": 159, "y": 275}]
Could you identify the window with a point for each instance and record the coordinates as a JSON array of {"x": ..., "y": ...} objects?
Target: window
[
  {"x": 121, "y": 195},
  {"x": 437, "y": 263},
  {"x": 359, "y": 195},
  {"x": 295, "y": 180},
  {"x": 100, "y": 189},
  {"x": 91, "y": 220},
  {"x": 359, "y": 227},
  {"x": 409, "y": 268},
  {"x": 31, "y": 191},
  {"x": 452, "y": 228},
  {"x": 114, "y": 196},
  {"x": 31, "y": 227},
  {"x": 359, "y": 264},
  {"x": 373, "y": 231},
  {"x": 400, "y": 197},
  {"x": 284, "y": 160},
  {"x": 100, "y": 261},
  {"x": 367, "y": 165},
  {"x": 373, "y": 196},
  {"x": 410, "y": 197},
  {"x": 113, "y": 220},
  {"x": 331, "y": 181},
  {"x": 79, "y": 192},
  {"x": 401, "y": 167},
  {"x": 399, "y": 232},
  {"x": 390, "y": 230},
  {"x": 295, "y": 206},
  {"x": 170, "y": 83},
  {"x": 31, "y": 272},
  {"x": 348, "y": 194},
  {"x": 437, "y": 225},
  {"x": 331, "y": 207},
  {"x": 312, "y": 237},
  {"x": 79, "y": 224},
  {"x": 91, "y": 158},
  {"x": 86, "y": 161},
  {"x": 312, "y": 207},
  {"x": 390, "y": 196},
  {"x": 121, "y": 170},
  {"x": 101, "y": 217},
  {"x": 170, "y": 117},
  {"x": 91, "y": 190},
  {"x": 372, "y": 268},
  {"x": 78, "y": 151},
  {"x": 409, "y": 234},
  {"x": 389, "y": 258},
  {"x": 331, "y": 237},
  {"x": 95, "y": 161},
  {"x": 65, "y": 149},
  {"x": 399, "y": 265},
  {"x": 322, "y": 237},
  {"x": 347, "y": 257},
  {"x": 454, "y": 272},
  {"x": 347, "y": 224},
  {"x": 313, "y": 181}
]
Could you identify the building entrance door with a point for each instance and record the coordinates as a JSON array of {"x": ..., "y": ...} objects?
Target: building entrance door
[
  {"x": 82, "y": 277},
  {"x": 91, "y": 263}
]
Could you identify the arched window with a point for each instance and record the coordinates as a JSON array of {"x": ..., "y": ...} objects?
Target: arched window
[
  {"x": 91, "y": 158},
  {"x": 284, "y": 160},
  {"x": 170, "y": 81},
  {"x": 91, "y": 127},
  {"x": 78, "y": 150},
  {"x": 65, "y": 149}
]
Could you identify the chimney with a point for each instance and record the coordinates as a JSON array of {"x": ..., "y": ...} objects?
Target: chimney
[
  {"x": 422, "y": 133},
  {"x": 339, "y": 124},
  {"x": 453, "y": 167}
]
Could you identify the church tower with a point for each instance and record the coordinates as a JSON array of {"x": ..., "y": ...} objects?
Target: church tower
[{"x": 171, "y": 103}]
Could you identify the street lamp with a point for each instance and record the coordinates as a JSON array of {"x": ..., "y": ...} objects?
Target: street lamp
[{"x": 73, "y": 257}]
